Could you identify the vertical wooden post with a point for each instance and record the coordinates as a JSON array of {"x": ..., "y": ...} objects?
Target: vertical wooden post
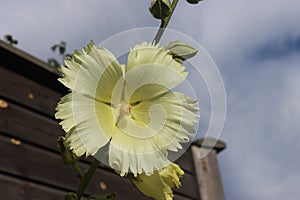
[{"x": 207, "y": 169}]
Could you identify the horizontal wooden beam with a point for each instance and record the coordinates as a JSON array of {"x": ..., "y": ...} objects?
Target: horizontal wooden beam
[
  {"x": 28, "y": 93},
  {"x": 211, "y": 143},
  {"x": 28, "y": 66},
  {"x": 45, "y": 167}
]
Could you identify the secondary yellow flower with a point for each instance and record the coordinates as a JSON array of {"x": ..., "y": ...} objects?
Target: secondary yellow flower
[
  {"x": 128, "y": 107},
  {"x": 159, "y": 185}
]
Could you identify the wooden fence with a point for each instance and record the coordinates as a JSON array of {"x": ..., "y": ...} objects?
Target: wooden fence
[{"x": 31, "y": 167}]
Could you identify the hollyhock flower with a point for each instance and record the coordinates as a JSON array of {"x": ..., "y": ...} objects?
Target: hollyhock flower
[{"x": 130, "y": 108}]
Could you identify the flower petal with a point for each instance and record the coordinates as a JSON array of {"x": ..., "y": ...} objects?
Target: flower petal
[
  {"x": 93, "y": 72},
  {"x": 159, "y": 184},
  {"x": 171, "y": 175},
  {"x": 150, "y": 71},
  {"x": 89, "y": 123},
  {"x": 153, "y": 186},
  {"x": 65, "y": 113},
  {"x": 178, "y": 121},
  {"x": 136, "y": 155}
]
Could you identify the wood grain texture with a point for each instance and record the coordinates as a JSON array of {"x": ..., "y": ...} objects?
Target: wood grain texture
[
  {"x": 45, "y": 167},
  {"x": 30, "y": 67},
  {"x": 28, "y": 93},
  {"x": 12, "y": 188},
  {"x": 29, "y": 126},
  {"x": 208, "y": 174}
]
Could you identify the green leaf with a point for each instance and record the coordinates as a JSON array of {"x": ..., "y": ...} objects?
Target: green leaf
[
  {"x": 111, "y": 196},
  {"x": 53, "y": 62},
  {"x": 54, "y": 47},
  {"x": 71, "y": 196},
  {"x": 10, "y": 39},
  {"x": 193, "y": 1},
  {"x": 62, "y": 50},
  {"x": 181, "y": 51},
  {"x": 160, "y": 9},
  {"x": 62, "y": 47}
]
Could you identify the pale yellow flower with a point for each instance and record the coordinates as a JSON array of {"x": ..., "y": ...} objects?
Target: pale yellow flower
[{"x": 128, "y": 107}]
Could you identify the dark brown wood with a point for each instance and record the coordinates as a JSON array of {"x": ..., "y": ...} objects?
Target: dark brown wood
[
  {"x": 17, "y": 189},
  {"x": 186, "y": 162},
  {"x": 28, "y": 66},
  {"x": 218, "y": 145},
  {"x": 13, "y": 188},
  {"x": 29, "y": 126},
  {"x": 45, "y": 167},
  {"x": 27, "y": 92}
]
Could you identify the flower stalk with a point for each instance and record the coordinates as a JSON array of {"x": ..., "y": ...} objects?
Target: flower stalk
[
  {"x": 86, "y": 178},
  {"x": 164, "y": 23}
]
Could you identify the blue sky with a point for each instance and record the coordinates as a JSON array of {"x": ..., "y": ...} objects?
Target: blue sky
[{"x": 256, "y": 45}]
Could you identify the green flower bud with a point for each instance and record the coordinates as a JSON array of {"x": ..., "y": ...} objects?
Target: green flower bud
[
  {"x": 181, "y": 51},
  {"x": 160, "y": 9},
  {"x": 71, "y": 196},
  {"x": 193, "y": 1},
  {"x": 67, "y": 155}
]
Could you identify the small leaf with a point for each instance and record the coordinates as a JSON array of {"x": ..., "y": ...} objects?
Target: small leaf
[
  {"x": 160, "y": 9},
  {"x": 53, "y": 62},
  {"x": 111, "y": 196},
  {"x": 54, "y": 47},
  {"x": 71, "y": 196},
  {"x": 62, "y": 50},
  {"x": 62, "y": 47},
  {"x": 10, "y": 39},
  {"x": 193, "y": 1},
  {"x": 181, "y": 51}
]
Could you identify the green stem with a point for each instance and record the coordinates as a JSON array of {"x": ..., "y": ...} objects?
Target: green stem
[
  {"x": 78, "y": 170},
  {"x": 164, "y": 23},
  {"x": 86, "y": 178}
]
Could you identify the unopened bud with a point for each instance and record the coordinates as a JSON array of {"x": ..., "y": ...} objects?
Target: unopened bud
[
  {"x": 181, "y": 51},
  {"x": 193, "y": 1},
  {"x": 160, "y": 9},
  {"x": 71, "y": 196},
  {"x": 67, "y": 155}
]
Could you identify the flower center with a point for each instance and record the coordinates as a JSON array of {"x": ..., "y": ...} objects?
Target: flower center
[{"x": 125, "y": 108}]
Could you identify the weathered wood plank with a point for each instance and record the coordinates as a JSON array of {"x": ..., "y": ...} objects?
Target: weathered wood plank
[
  {"x": 28, "y": 66},
  {"x": 16, "y": 189},
  {"x": 186, "y": 162},
  {"x": 29, "y": 126},
  {"x": 45, "y": 167},
  {"x": 27, "y": 92},
  {"x": 12, "y": 188},
  {"x": 208, "y": 174}
]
